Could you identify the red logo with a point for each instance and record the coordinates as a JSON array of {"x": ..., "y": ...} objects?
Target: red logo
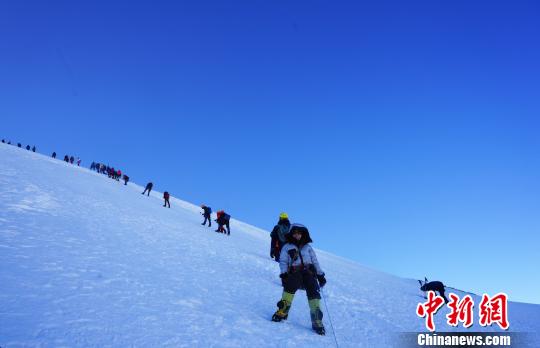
[
  {"x": 429, "y": 308},
  {"x": 461, "y": 311},
  {"x": 494, "y": 310}
]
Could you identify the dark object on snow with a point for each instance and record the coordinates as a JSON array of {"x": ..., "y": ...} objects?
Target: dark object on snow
[
  {"x": 71, "y": 159},
  {"x": 54, "y": 155},
  {"x": 66, "y": 158},
  {"x": 166, "y": 198},
  {"x": 126, "y": 179},
  {"x": 148, "y": 188},
  {"x": 19, "y": 145},
  {"x": 34, "y": 148},
  {"x": 28, "y": 147},
  {"x": 207, "y": 211},
  {"x": 3, "y": 141},
  {"x": 435, "y": 286}
]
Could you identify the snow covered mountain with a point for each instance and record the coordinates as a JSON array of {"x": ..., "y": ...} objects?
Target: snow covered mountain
[{"x": 86, "y": 261}]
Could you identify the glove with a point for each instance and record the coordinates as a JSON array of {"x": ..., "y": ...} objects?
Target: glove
[
  {"x": 283, "y": 277},
  {"x": 321, "y": 279}
]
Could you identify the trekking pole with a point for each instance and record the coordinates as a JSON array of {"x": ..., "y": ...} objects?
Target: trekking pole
[{"x": 329, "y": 317}]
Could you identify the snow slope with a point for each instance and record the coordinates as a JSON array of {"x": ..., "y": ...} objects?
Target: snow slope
[{"x": 86, "y": 261}]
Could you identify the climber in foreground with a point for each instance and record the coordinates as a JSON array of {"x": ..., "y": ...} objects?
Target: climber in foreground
[{"x": 300, "y": 270}]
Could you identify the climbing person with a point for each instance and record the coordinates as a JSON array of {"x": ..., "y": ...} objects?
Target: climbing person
[
  {"x": 118, "y": 175},
  {"x": 166, "y": 198},
  {"x": 34, "y": 148},
  {"x": 28, "y": 147},
  {"x": 300, "y": 270},
  {"x": 218, "y": 217},
  {"x": 148, "y": 188},
  {"x": 71, "y": 159},
  {"x": 278, "y": 235},
  {"x": 435, "y": 286},
  {"x": 19, "y": 145},
  {"x": 78, "y": 161},
  {"x": 54, "y": 155},
  {"x": 207, "y": 211},
  {"x": 126, "y": 179},
  {"x": 223, "y": 219},
  {"x": 66, "y": 158}
]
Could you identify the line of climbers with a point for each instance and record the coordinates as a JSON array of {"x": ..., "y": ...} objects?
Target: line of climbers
[
  {"x": 166, "y": 195},
  {"x": 299, "y": 269},
  {"x": 69, "y": 159},
  {"x": 33, "y": 148},
  {"x": 109, "y": 171},
  {"x": 98, "y": 167},
  {"x": 222, "y": 218}
]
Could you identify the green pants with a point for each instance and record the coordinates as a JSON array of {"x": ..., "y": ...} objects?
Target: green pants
[{"x": 314, "y": 309}]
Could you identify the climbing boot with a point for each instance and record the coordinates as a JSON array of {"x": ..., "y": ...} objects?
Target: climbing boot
[
  {"x": 283, "y": 307},
  {"x": 316, "y": 316}
]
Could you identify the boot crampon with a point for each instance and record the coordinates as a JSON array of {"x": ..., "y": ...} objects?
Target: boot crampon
[
  {"x": 283, "y": 307},
  {"x": 316, "y": 316}
]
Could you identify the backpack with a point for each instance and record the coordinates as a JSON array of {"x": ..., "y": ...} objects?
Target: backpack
[
  {"x": 282, "y": 232},
  {"x": 226, "y": 217}
]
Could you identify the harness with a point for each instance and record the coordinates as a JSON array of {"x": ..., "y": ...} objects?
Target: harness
[{"x": 301, "y": 266}]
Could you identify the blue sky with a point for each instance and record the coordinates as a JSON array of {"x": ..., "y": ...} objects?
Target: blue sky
[{"x": 404, "y": 135}]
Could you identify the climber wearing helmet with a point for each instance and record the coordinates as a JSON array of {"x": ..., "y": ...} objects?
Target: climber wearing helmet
[{"x": 278, "y": 235}]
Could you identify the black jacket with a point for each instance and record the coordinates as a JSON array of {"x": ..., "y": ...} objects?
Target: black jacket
[
  {"x": 207, "y": 211},
  {"x": 433, "y": 286}
]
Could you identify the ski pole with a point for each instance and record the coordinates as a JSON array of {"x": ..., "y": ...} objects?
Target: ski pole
[{"x": 329, "y": 317}]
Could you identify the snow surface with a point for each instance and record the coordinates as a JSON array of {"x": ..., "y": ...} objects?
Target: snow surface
[{"x": 88, "y": 262}]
